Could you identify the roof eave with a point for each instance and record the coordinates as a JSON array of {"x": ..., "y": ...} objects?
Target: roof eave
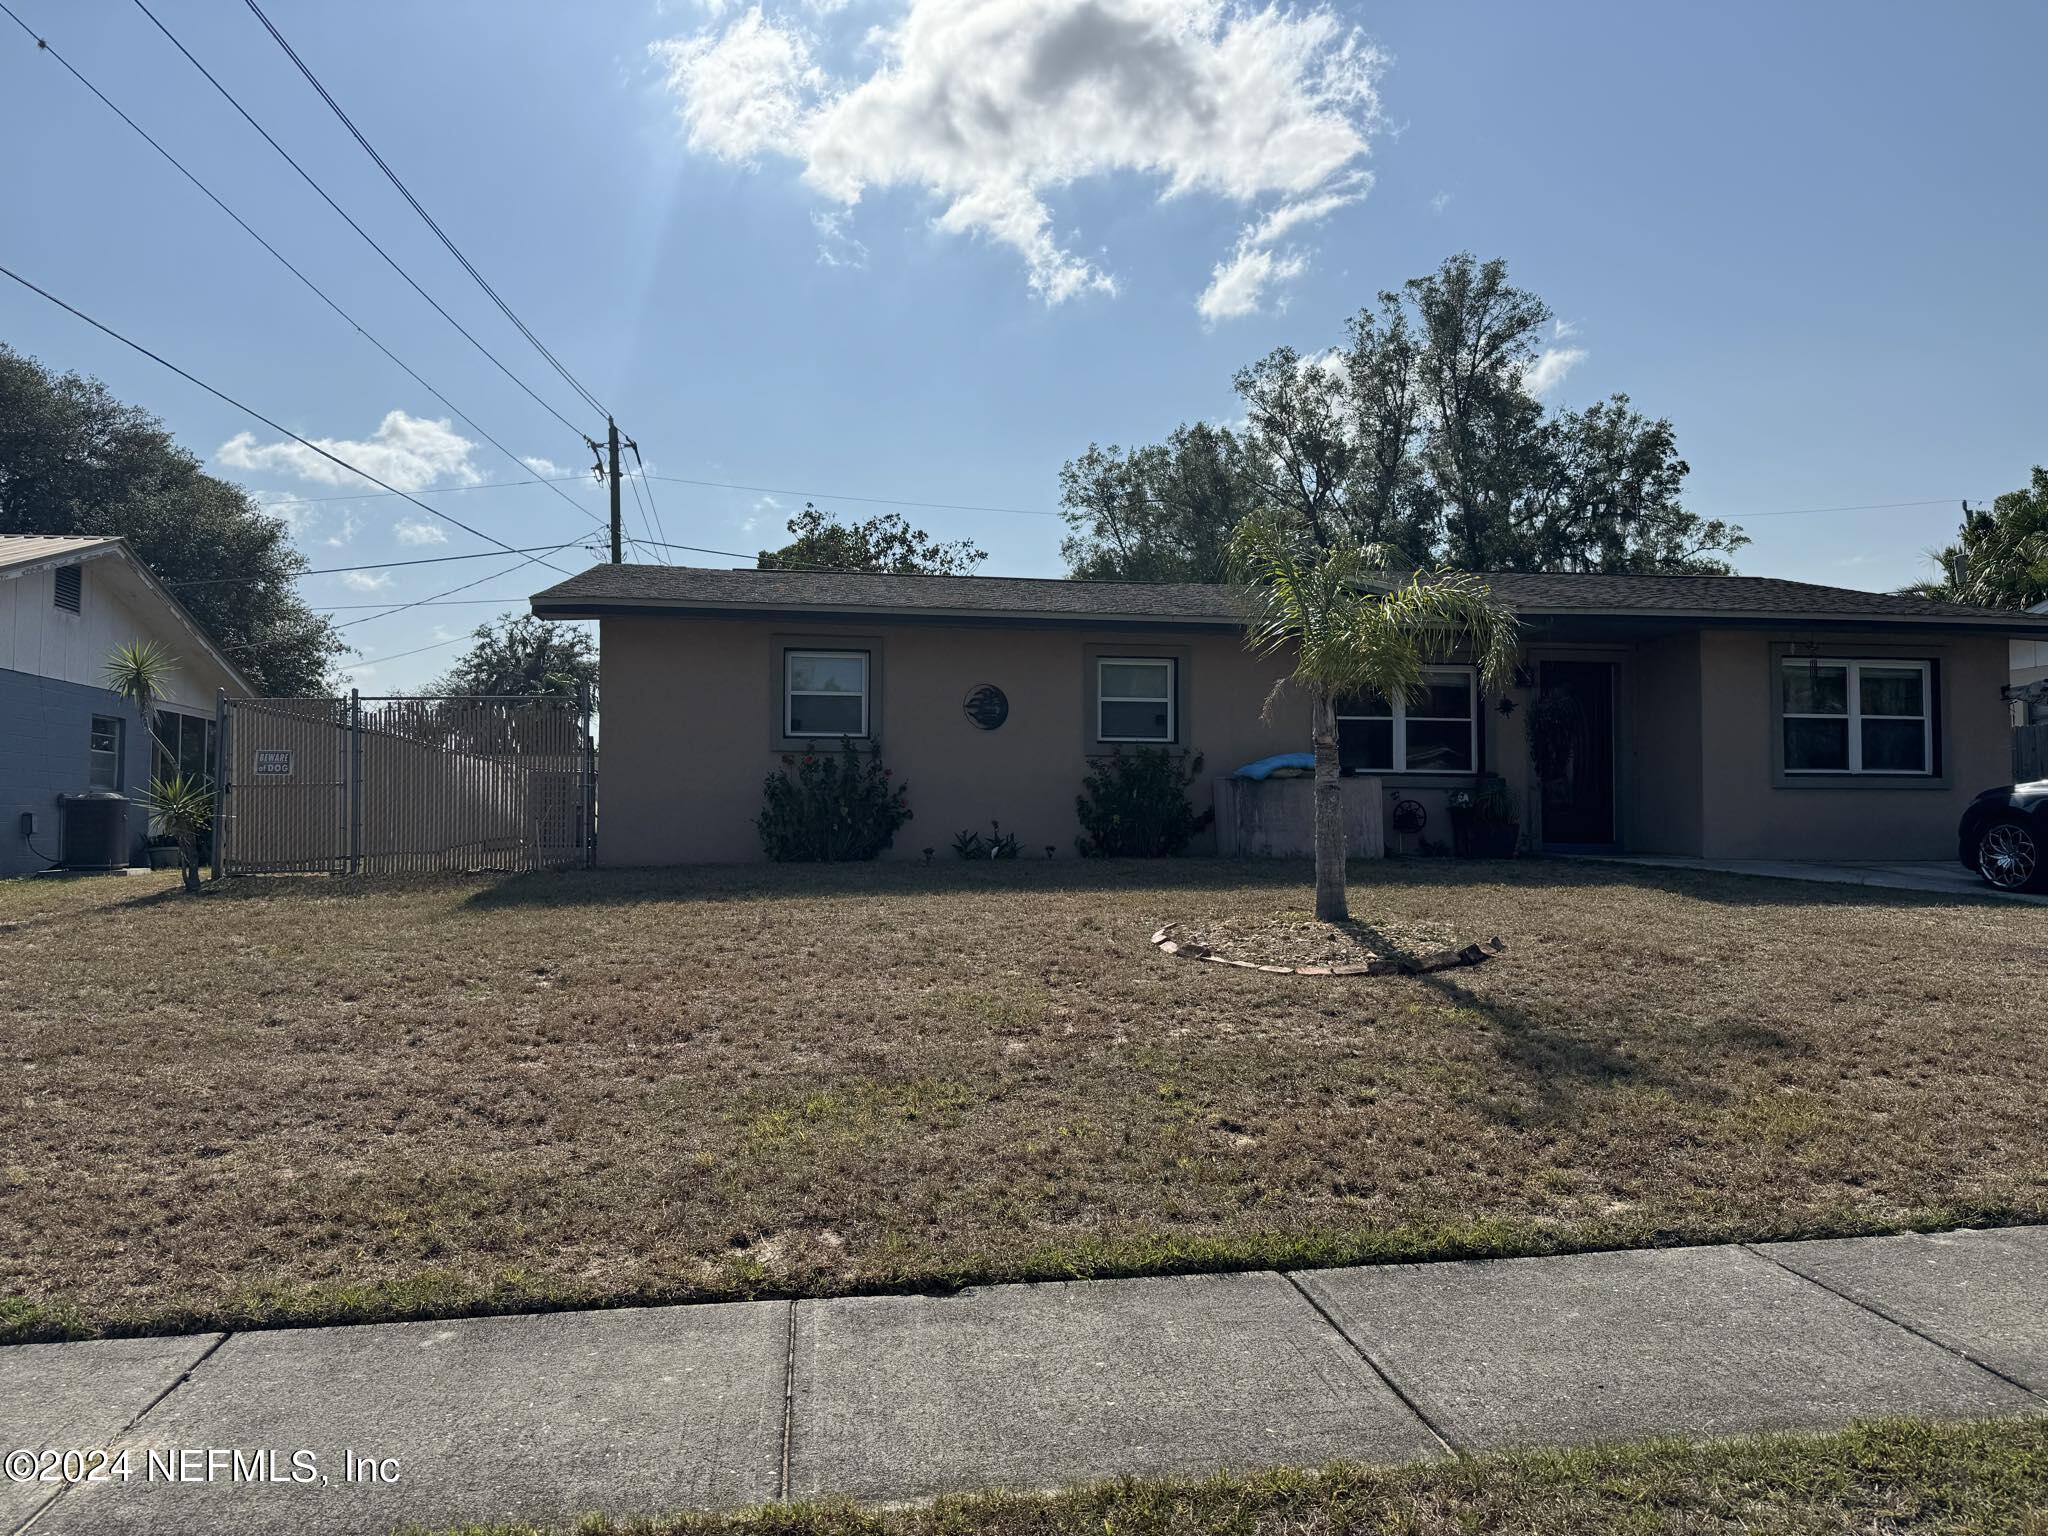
[
  {"x": 546, "y": 607},
  {"x": 549, "y": 607}
]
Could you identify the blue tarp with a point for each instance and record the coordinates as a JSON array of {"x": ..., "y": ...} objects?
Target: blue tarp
[{"x": 1266, "y": 767}]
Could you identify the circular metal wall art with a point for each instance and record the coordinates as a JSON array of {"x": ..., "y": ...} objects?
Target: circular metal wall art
[{"x": 987, "y": 706}]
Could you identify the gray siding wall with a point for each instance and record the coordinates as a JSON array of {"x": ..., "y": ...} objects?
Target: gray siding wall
[{"x": 45, "y": 746}]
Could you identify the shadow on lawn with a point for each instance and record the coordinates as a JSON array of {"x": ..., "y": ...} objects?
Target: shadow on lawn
[
  {"x": 1065, "y": 872},
  {"x": 1553, "y": 1064},
  {"x": 894, "y": 877}
]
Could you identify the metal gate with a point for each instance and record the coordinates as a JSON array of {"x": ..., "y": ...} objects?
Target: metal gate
[{"x": 403, "y": 785}]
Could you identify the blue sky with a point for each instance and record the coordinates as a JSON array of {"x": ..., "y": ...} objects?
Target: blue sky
[{"x": 931, "y": 251}]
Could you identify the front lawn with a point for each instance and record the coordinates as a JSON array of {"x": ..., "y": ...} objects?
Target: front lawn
[
  {"x": 1885, "y": 1479},
  {"x": 309, "y": 1100}
]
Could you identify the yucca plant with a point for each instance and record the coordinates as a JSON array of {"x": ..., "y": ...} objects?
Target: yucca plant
[
  {"x": 1353, "y": 627},
  {"x": 180, "y": 806}
]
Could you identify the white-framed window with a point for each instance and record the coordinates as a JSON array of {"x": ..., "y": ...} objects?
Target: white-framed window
[
  {"x": 825, "y": 693},
  {"x": 1856, "y": 716},
  {"x": 104, "y": 752},
  {"x": 1134, "y": 698},
  {"x": 1437, "y": 731}
]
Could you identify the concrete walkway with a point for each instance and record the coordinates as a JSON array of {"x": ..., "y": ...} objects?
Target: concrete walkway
[
  {"x": 542, "y": 1418},
  {"x": 1944, "y": 876}
]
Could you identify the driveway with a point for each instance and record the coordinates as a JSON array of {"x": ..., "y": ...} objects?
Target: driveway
[{"x": 1938, "y": 875}]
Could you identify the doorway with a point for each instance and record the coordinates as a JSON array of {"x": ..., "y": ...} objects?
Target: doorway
[{"x": 1574, "y": 729}]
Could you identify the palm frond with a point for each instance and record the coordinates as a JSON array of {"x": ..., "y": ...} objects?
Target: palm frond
[
  {"x": 180, "y": 805},
  {"x": 140, "y": 671},
  {"x": 1354, "y": 626}
]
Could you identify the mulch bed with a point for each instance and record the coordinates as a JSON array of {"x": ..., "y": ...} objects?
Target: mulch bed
[{"x": 1292, "y": 946}]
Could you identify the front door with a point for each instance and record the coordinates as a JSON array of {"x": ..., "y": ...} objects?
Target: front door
[{"x": 1573, "y": 745}]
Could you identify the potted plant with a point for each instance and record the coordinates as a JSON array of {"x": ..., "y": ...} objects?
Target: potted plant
[{"x": 1483, "y": 821}]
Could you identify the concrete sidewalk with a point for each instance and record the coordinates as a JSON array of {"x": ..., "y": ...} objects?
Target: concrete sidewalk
[{"x": 542, "y": 1418}]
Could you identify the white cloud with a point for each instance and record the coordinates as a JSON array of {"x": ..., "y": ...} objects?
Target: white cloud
[
  {"x": 836, "y": 247},
  {"x": 743, "y": 90},
  {"x": 1238, "y": 285},
  {"x": 346, "y": 533},
  {"x": 366, "y": 581},
  {"x": 408, "y": 453},
  {"x": 414, "y": 530},
  {"x": 1550, "y": 367},
  {"x": 990, "y": 106},
  {"x": 297, "y": 515},
  {"x": 1560, "y": 329},
  {"x": 1440, "y": 202},
  {"x": 547, "y": 468}
]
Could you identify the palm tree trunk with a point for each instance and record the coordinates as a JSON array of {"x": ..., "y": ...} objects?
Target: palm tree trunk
[{"x": 1331, "y": 906}]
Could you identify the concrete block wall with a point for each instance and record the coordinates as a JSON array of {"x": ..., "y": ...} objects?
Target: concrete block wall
[{"x": 45, "y": 751}]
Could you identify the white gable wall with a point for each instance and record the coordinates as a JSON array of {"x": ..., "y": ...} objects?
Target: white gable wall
[{"x": 115, "y": 606}]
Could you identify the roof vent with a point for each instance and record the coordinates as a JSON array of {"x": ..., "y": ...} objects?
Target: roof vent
[{"x": 70, "y": 579}]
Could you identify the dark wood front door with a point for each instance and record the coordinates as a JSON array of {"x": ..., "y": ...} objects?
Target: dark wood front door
[{"x": 1574, "y": 725}]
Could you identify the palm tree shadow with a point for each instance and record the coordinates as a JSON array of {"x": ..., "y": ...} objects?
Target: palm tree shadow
[{"x": 1555, "y": 1070}]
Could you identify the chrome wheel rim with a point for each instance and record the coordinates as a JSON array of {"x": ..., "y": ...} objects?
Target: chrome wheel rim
[{"x": 2007, "y": 857}]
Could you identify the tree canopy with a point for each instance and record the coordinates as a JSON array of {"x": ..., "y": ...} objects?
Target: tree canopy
[
  {"x": 76, "y": 461},
  {"x": 526, "y": 656},
  {"x": 887, "y": 543},
  {"x": 1421, "y": 434},
  {"x": 2000, "y": 557}
]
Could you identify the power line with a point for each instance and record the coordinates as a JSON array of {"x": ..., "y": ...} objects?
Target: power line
[
  {"x": 880, "y": 501},
  {"x": 312, "y": 286},
  {"x": 641, "y": 464},
  {"x": 645, "y": 523},
  {"x": 274, "y": 426},
  {"x": 438, "y": 645},
  {"x": 438, "y": 490},
  {"x": 425, "y": 602},
  {"x": 381, "y": 565},
  {"x": 1869, "y": 506},
  {"x": 389, "y": 261},
  {"x": 417, "y": 207},
  {"x": 432, "y": 597}
]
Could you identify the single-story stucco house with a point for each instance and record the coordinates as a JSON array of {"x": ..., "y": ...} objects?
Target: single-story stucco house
[
  {"x": 65, "y": 604},
  {"x": 1721, "y": 716}
]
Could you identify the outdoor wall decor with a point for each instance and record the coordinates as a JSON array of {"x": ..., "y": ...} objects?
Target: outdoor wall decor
[{"x": 987, "y": 706}]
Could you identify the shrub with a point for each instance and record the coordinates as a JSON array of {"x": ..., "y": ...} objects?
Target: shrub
[
  {"x": 824, "y": 807},
  {"x": 970, "y": 844},
  {"x": 1135, "y": 805}
]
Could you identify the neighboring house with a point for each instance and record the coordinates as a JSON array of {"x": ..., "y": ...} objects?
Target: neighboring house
[
  {"x": 1731, "y": 717},
  {"x": 65, "y": 604},
  {"x": 2030, "y": 677}
]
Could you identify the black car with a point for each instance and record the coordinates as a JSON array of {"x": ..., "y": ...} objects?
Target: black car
[{"x": 2004, "y": 836}]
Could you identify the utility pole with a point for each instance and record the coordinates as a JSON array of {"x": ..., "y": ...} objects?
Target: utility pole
[{"x": 613, "y": 442}]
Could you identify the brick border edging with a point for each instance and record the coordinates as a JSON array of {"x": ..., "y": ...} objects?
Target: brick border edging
[{"x": 1435, "y": 960}]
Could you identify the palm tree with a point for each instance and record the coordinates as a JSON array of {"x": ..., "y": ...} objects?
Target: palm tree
[
  {"x": 2000, "y": 557},
  {"x": 140, "y": 672},
  {"x": 1353, "y": 630}
]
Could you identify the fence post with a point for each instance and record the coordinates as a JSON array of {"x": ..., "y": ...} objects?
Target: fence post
[
  {"x": 588, "y": 807},
  {"x": 221, "y": 760},
  {"x": 355, "y": 782}
]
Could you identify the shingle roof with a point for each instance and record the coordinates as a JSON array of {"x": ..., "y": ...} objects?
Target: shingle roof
[
  {"x": 702, "y": 591},
  {"x": 34, "y": 548}
]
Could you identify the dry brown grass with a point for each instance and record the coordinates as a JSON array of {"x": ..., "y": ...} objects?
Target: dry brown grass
[
  {"x": 1894, "y": 1478},
  {"x": 310, "y": 1100}
]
